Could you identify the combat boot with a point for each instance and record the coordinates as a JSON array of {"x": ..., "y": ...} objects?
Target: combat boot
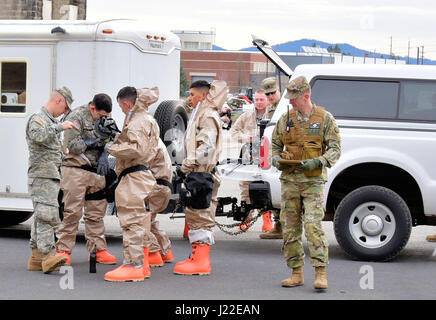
[
  {"x": 320, "y": 278},
  {"x": 275, "y": 233},
  {"x": 197, "y": 264},
  {"x": 125, "y": 273},
  {"x": 105, "y": 257},
  {"x": 185, "y": 231},
  {"x": 267, "y": 222},
  {"x": 169, "y": 257},
  {"x": 67, "y": 254},
  {"x": 431, "y": 238},
  {"x": 145, "y": 263},
  {"x": 297, "y": 278},
  {"x": 51, "y": 262},
  {"x": 35, "y": 261},
  {"x": 155, "y": 259}
]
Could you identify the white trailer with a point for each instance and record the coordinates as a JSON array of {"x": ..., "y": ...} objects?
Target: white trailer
[{"x": 89, "y": 58}]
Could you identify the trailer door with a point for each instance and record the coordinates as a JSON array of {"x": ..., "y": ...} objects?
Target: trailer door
[{"x": 25, "y": 86}]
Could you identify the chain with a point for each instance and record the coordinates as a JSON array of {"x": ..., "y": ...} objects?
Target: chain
[{"x": 248, "y": 225}]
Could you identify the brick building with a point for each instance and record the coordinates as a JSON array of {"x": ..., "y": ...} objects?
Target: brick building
[
  {"x": 43, "y": 9},
  {"x": 238, "y": 68}
]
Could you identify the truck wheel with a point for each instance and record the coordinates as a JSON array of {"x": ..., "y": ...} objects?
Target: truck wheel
[
  {"x": 372, "y": 223},
  {"x": 172, "y": 119},
  {"x": 10, "y": 218}
]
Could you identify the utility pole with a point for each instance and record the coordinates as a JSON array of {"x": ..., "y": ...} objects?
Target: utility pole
[
  {"x": 422, "y": 55},
  {"x": 391, "y": 48},
  {"x": 408, "y": 52},
  {"x": 417, "y": 56}
]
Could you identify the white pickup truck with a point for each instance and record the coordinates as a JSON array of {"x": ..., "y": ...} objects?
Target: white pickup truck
[{"x": 385, "y": 180}]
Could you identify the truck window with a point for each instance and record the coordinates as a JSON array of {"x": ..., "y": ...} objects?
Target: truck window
[
  {"x": 418, "y": 100},
  {"x": 357, "y": 98},
  {"x": 13, "y": 87}
]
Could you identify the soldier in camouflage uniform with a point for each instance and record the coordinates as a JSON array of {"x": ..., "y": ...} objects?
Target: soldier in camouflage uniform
[
  {"x": 43, "y": 132},
  {"x": 309, "y": 135},
  {"x": 82, "y": 174},
  {"x": 272, "y": 91}
]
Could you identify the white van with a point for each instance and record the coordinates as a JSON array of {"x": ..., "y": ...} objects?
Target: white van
[
  {"x": 385, "y": 180},
  {"x": 89, "y": 58}
]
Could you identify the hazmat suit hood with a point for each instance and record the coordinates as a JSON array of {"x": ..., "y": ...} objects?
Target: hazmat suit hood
[
  {"x": 217, "y": 95},
  {"x": 146, "y": 97}
]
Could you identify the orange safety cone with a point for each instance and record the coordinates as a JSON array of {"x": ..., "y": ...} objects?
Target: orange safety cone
[{"x": 197, "y": 264}]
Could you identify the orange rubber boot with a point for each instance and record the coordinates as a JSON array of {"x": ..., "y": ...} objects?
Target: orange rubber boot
[
  {"x": 146, "y": 264},
  {"x": 198, "y": 263},
  {"x": 68, "y": 263},
  {"x": 267, "y": 222},
  {"x": 185, "y": 231},
  {"x": 105, "y": 257},
  {"x": 125, "y": 273},
  {"x": 155, "y": 259},
  {"x": 169, "y": 257}
]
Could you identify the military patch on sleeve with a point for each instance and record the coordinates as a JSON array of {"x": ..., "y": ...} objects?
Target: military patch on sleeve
[
  {"x": 76, "y": 125},
  {"x": 39, "y": 121}
]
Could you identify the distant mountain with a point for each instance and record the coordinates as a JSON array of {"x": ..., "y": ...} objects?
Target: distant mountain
[{"x": 295, "y": 46}]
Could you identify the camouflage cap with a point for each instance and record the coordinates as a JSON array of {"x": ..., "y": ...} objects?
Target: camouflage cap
[
  {"x": 297, "y": 87},
  {"x": 66, "y": 93},
  {"x": 269, "y": 85}
]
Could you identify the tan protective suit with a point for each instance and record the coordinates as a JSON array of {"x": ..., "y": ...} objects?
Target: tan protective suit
[
  {"x": 76, "y": 183},
  {"x": 137, "y": 144},
  {"x": 203, "y": 145},
  {"x": 159, "y": 198},
  {"x": 244, "y": 128}
]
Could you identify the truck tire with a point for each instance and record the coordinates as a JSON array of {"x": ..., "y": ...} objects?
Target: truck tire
[
  {"x": 372, "y": 223},
  {"x": 10, "y": 218},
  {"x": 172, "y": 119}
]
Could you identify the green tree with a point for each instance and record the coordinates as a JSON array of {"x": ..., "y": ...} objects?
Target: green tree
[{"x": 184, "y": 83}]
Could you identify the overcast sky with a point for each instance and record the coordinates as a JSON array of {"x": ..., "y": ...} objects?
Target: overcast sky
[{"x": 366, "y": 24}]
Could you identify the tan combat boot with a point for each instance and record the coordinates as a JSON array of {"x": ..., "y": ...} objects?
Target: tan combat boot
[
  {"x": 275, "y": 233},
  {"x": 320, "y": 278},
  {"x": 35, "y": 261},
  {"x": 50, "y": 262},
  {"x": 431, "y": 238},
  {"x": 297, "y": 278}
]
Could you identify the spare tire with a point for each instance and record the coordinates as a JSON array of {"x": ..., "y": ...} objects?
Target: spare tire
[{"x": 172, "y": 119}]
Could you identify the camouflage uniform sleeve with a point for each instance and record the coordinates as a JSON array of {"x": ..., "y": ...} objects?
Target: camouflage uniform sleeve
[
  {"x": 40, "y": 131},
  {"x": 332, "y": 142},
  {"x": 73, "y": 138},
  {"x": 276, "y": 140}
]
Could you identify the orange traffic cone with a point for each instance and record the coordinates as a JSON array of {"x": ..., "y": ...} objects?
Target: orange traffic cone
[
  {"x": 155, "y": 259},
  {"x": 197, "y": 264},
  {"x": 267, "y": 222},
  {"x": 185, "y": 231}
]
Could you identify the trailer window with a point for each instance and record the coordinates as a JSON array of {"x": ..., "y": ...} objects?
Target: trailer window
[
  {"x": 418, "y": 100},
  {"x": 13, "y": 87}
]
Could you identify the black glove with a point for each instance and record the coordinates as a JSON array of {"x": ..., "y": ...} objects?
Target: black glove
[
  {"x": 180, "y": 173},
  {"x": 93, "y": 143},
  {"x": 103, "y": 164},
  {"x": 106, "y": 128}
]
